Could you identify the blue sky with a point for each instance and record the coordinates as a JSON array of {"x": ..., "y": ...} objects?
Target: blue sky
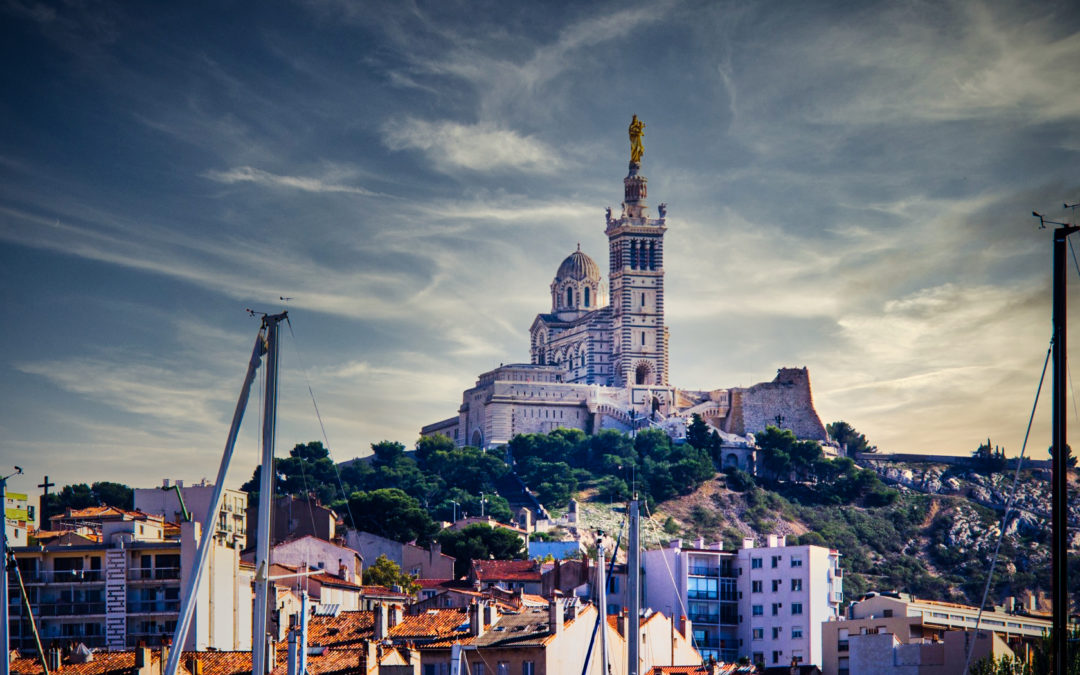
[{"x": 849, "y": 189}]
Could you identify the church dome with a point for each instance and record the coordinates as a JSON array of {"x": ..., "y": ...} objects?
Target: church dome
[{"x": 578, "y": 267}]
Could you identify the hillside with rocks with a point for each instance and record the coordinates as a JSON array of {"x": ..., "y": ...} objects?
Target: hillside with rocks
[{"x": 935, "y": 540}]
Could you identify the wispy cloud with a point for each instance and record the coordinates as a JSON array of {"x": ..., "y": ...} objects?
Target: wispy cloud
[
  {"x": 477, "y": 147},
  {"x": 247, "y": 174}
]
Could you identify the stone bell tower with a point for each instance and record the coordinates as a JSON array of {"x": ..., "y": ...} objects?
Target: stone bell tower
[{"x": 636, "y": 255}]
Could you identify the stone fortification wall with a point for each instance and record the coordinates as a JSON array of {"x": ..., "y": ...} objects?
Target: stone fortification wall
[{"x": 785, "y": 402}]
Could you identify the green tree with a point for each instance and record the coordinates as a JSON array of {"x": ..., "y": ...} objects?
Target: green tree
[
  {"x": 81, "y": 496},
  {"x": 479, "y": 542},
  {"x": 385, "y": 572},
  {"x": 988, "y": 458},
  {"x": 390, "y": 513},
  {"x": 426, "y": 445},
  {"x": 845, "y": 434}
]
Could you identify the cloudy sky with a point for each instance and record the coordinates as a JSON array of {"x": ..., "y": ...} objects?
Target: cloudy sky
[{"x": 849, "y": 188}]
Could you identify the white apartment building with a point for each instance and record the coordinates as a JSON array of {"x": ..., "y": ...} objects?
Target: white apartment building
[
  {"x": 786, "y": 593},
  {"x": 230, "y": 525},
  {"x": 112, "y": 578}
]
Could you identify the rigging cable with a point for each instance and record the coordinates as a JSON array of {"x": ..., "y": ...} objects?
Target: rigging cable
[
  {"x": 678, "y": 596},
  {"x": 318, "y": 415},
  {"x": 1008, "y": 507}
]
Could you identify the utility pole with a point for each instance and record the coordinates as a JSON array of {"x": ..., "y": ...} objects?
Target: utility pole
[
  {"x": 1060, "y": 489},
  {"x": 5, "y": 618}
]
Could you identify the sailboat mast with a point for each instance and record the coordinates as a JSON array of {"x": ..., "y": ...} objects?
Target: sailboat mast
[
  {"x": 633, "y": 587},
  {"x": 601, "y": 600},
  {"x": 1060, "y": 467},
  {"x": 259, "y": 642}
]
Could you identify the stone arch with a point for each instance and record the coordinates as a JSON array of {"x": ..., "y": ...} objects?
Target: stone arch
[
  {"x": 644, "y": 373},
  {"x": 731, "y": 461},
  {"x": 477, "y": 439}
]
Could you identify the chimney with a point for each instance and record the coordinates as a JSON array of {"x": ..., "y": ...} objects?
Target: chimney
[
  {"x": 142, "y": 657},
  {"x": 179, "y": 483},
  {"x": 194, "y": 666},
  {"x": 748, "y": 542},
  {"x": 675, "y": 543},
  {"x": 687, "y": 627},
  {"x": 342, "y": 570},
  {"x": 382, "y": 628},
  {"x": 772, "y": 541},
  {"x": 394, "y": 613},
  {"x": 699, "y": 543},
  {"x": 293, "y": 661},
  {"x": 54, "y": 659},
  {"x": 555, "y": 616},
  {"x": 165, "y": 483},
  {"x": 165, "y": 646},
  {"x": 476, "y": 619},
  {"x": 624, "y": 623},
  {"x": 491, "y": 613}
]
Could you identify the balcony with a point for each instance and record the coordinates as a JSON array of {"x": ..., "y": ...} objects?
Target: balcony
[
  {"x": 154, "y": 574},
  {"x": 63, "y": 576},
  {"x": 705, "y": 618},
  {"x": 694, "y": 594},
  {"x": 50, "y": 609},
  {"x": 153, "y": 606},
  {"x": 703, "y": 571}
]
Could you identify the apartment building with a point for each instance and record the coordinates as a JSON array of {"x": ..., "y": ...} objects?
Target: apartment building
[
  {"x": 786, "y": 593},
  {"x": 929, "y": 624},
  {"x": 701, "y": 583},
  {"x": 173, "y": 499},
  {"x": 109, "y": 577}
]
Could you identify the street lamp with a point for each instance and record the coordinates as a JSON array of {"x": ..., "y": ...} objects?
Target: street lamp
[{"x": 456, "y": 505}]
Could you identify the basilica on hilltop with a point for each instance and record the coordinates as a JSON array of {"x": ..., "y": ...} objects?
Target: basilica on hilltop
[{"x": 599, "y": 356}]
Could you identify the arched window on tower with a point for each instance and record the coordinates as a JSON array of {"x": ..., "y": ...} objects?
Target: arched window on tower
[
  {"x": 652, "y": 255},
  {"x": 586, "y": 296},
  {"x": 633, "y": 255},
  {"x": 569, "y": 297}
]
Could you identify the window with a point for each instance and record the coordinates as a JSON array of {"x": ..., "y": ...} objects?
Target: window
[
  {"x": 776, "y": 608},
  {"x": 642, "y": 299},
  {"x": 429, "y": 669},
  {"x": 797, "y": 655},
  {"x": 796, "y": 562},
  {"x": 642, "y": 337},
  {"x": 569, "y": 297},
  {"x": 478, "y": 668},
  {"x": 503, "y": 668},
  {"x": 776, "y": 655},
  {"x": 528, "y": 668},
  {"x": 796, "y": 608},
  {"x": 759, "y": 657},
  {"x": 776, "y": 561},
  {"x": 756, "y": 610},
  {"x": 755, "y": 563},
  {"x": 759, "y": 633},
  {"x": 796, "y": 632},
  {"x": 796, "y": 585},
  {"x": 776, "y": 632},
  {"x": 755, "y": 586},
  {"x": 775, "y": 585},
  {"x": 587, "y": 296},
  {"x": 843, "y": 666},
  {"x": 888, "y": 613}
]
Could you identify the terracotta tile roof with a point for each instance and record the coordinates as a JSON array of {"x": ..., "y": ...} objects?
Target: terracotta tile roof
[
  {"x": 721, "y": 669},
  {"x": 433, "y": 623},
  {"x": 331, "y": 580},
  {"x": 224, "y": 663},
  {"x": 347, "y": 628},
  {"x": 383, "y": 592},
  {"x": 430, "y": 583},
  {"x": 104, "y": 662},
  {"x": 103, "y": 511},
  {"x": 508, "y": 570}
]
